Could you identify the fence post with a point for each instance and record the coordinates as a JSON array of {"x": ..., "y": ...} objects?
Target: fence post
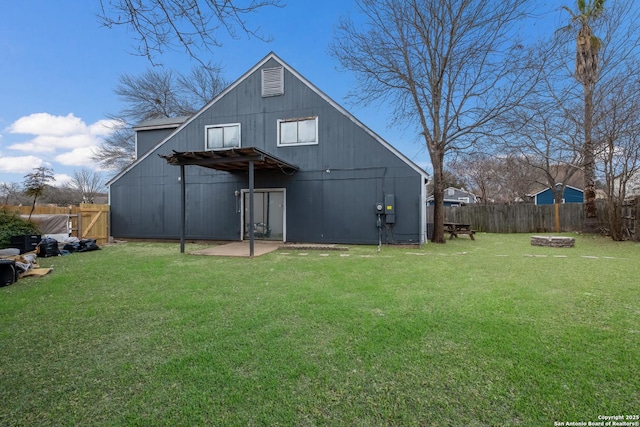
[{"x": 635, "y": 207}]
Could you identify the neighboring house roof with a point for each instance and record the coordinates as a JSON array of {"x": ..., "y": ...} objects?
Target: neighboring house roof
[
  {"x": 255, "y": 68},
  {"x": 569, "y": 195},
  {"x": 549, "y": 188},
  {"x": 161, "y": 123}
]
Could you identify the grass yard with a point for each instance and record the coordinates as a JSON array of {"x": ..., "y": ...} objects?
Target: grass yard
[{"x": 492, "y": 332}]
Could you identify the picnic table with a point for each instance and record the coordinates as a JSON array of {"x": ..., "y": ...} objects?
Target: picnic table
[{"x": 455, "y": 228}]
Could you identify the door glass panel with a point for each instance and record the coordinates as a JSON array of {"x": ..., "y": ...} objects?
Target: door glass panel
[{"x": 268, "y": 215}]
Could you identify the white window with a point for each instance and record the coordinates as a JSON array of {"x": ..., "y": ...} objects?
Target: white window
[
  {"x": 220, "y": 137},
  {"x": 272, "y": 81},
  {"x": 298, "y": 131}
]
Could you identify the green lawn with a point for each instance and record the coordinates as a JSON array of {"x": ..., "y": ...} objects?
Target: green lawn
[{"x": 491, "y": 332}]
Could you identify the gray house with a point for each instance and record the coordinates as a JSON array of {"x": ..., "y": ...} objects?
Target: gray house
[
  {"x": 455, "y": 197},
  {"x": 317, "y": 174}
]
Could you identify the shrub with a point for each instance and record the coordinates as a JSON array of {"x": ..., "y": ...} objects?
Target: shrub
[{"x": 12, "y": 225}]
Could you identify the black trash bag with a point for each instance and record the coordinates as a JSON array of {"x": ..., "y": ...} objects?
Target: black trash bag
[
  {"x": 47, "y": 247},
  {"x": 8, "y": 272},
  {"x": 72, "y": 246},
  {"x": 86, "y": 245}
]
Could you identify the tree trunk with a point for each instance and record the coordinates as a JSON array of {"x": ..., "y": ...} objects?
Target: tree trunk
[
  {"x": 33, "y": 207},
  {"x": 636, "y": 220},
  {"x": 590, "y": 224},
  {"x": 557, "y": 195},
  {"x": 615, "y": 214},
  {"x": 438, "y": 198}
]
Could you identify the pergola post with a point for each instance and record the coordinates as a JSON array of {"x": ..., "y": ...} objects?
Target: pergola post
[
  {"x": 183, "y": 209},
  {"x": 251, "y": 218}
]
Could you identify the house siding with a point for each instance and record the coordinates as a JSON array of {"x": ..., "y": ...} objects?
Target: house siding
[
  {"x": 458, "y": 197},
  {"x": 570, "y": 195},
  {"x": 148, "y": 139},
  {"x": 330, "y": 198}
]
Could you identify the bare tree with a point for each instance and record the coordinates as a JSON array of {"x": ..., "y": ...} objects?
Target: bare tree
[
  {"x": 88, "y": 184},
  {"x": 194, "y": 25},
  {"x": 618, "y": 132},
  {"x": 479, "y": 171},
  {"x": 451, "y": 178},
  {"x": 152, "y": 95},
  {"x": 200, "y": 86},
  {"x": 9, "y": 191},
  {"x": 450, "y": 67},
  {"x": 36, "y": 182},
  {"x": 158, "y": 93},
  {"x": 60, "y": 196},
  {"x": 118, "y": 150},
  {"x": 496, "y": 178},
  {"x": 544, "y": 139}
]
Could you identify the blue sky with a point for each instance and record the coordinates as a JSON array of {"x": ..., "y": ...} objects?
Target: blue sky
[{"x": 59, "y": 66}]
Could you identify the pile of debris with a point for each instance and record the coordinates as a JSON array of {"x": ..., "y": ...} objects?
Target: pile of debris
[{"x": 16, "y": 263}]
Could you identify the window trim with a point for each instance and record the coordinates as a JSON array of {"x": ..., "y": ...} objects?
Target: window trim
[
  {"x": 221, "y": 125},
  {"x": 297, "y": 120}
]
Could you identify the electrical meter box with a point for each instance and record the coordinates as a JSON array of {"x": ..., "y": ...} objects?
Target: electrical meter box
[{"x": 389, "y": 208}]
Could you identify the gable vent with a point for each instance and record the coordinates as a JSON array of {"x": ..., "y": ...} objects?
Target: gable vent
[{"x": 272, "y": 81}]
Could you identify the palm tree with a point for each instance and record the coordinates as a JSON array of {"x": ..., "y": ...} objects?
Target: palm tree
[{"x": 586, "y": 73}]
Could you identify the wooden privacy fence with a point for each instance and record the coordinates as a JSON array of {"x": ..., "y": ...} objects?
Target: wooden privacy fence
[
  {"x": 630, "y": 221},
  {"x": 521, "y": 218},
  {"x": 87, "y": 221}
]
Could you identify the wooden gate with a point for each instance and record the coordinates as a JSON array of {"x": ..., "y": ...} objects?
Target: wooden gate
[{"x": 92, "y": 222}]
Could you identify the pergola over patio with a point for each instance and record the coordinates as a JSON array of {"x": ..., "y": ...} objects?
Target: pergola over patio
[{"x": 231, "y": 160}]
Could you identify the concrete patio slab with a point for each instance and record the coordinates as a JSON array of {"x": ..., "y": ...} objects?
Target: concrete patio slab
[{"x": 239, "y": 249}]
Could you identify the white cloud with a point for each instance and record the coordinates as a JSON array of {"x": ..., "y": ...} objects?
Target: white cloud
[
  {"x": 42, "y": 139},
  {"x": 52, "y": 143},
  {"x": 58, "y": 133},
  {"x": 77, "y": 157},
  {"x": 105, "y": 127},
  {"x": 47, "y": 124},
  {"x": 61, "y": 179},
  {"x": 19, "y": 164}
]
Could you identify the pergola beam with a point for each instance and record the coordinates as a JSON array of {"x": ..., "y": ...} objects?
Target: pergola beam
[{"x": 232, "y": 160}]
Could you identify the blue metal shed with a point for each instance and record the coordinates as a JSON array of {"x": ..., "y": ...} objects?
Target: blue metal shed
[{"x": 570, "y": 195}]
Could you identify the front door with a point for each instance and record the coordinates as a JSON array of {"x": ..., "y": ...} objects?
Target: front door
[{"x": 268, "y": 214}]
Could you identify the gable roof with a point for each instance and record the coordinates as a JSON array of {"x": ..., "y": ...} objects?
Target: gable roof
[
  {"x": 161, "y": 123},
  {"x": 231, "y": 87},
  {"x": 549, "y": 188}
]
